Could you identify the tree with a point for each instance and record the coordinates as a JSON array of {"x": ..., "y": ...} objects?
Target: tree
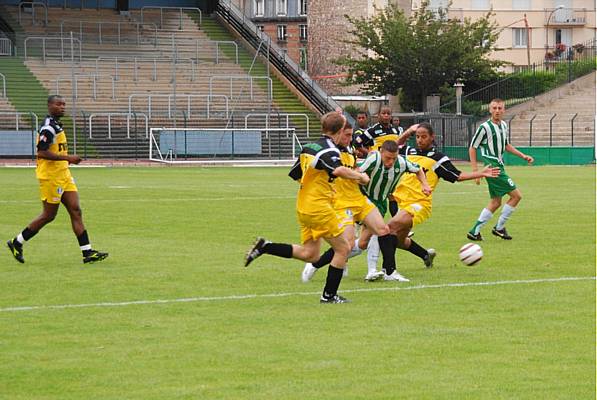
[{"x": 417, "y": 55}]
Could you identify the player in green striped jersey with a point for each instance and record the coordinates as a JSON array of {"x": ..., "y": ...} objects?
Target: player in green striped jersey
[
  {"x": 492, "y": 139},
  {"x": 385, "y": 169}
]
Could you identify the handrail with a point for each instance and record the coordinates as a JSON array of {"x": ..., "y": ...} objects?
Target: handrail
[
  {"x": 33, "y": 4},
  {"x": 172, "y": 8},
  {"x": 118, "y": 24},
  {"x": 136, "y": 60},
  {"x": 3, "y": 85},
  {"x": 76, "y": 83},
  {"x": 44, "y": 39},
  {"x": 287, "y": 115},
  {"x": 217, "y": 42},
  {"x": 5, "y": 46},
  {"x": 170, "y": 96},
  {"x": 17, "y": 114},
  {"x": 572, "y": 129},
  {"x": 128, "y": 122},
  {"x": 551, "y": 129},
  {"x": 292, "y": 71},
  {"x": 531, "y": 129},
  {"x": 250, "y": 78}
]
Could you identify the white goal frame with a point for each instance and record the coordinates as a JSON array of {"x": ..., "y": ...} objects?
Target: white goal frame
[{"x": 156, "y": 155}]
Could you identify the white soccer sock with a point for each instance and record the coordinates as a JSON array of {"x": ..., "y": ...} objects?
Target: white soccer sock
[
  {"x": 20, "y": 238},
  {"x": 356, "y": 250},
  {"x": 484, "y": 217},
  {"x": 507, "y": 210},
  {"x": 372, "y": 254}
]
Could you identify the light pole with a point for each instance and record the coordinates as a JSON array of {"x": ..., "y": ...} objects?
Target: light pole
[{"x": 547, "y": 27}]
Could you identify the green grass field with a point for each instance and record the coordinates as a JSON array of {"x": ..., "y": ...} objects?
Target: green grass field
[{"x": 259, "y": 333}]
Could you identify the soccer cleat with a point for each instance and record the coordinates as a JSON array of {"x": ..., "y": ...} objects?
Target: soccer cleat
[
  {"x": 472, "y": 236},
  {"x": 94, "y": 256},
  {"x": 395, "y": 276},
  {"x": 335, "y": 299},
  {"x": 410, "y": 234},
  {"x": 17, "y": 250},
  {"x": 374, "y": 276},
  {"x": 428, "y": 260},
  {"x": 256, "y": 250},
  {"x": 308, "y": 272},
  {"x": 501, "y": 233}
]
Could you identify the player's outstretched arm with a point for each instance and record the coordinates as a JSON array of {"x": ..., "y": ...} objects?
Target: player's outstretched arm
[
  {"x": 487, "y": 172},
  {"x": 50, "y": 155},
  {"x": 516, "y": 152},
  {"x": 347, "y": 173}
]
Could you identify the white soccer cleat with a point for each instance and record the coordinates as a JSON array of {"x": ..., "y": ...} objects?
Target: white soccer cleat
[
  {"x": 308, "y": 272},
  {"x": 374, "y": 276},
  {"x": 395, "y": 276}
]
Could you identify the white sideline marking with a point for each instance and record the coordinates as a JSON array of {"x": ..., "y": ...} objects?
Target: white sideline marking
[
  {"x": 270, "y": 295},
  {"x": 158, "y": 200}
]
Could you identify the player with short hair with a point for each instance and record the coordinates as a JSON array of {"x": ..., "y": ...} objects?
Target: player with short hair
[
  {"x": 318, "y": 165},
  {"x": 351, "y": 205},
  {"x": 56, "y": 185},
  {"x": 492, "y": 139},
  {"x": 413, "y": 201},
  {"x": 382, "y": 131}
]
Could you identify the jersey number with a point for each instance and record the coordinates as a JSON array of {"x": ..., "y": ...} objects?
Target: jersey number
[{"x": 62, "y": 147}]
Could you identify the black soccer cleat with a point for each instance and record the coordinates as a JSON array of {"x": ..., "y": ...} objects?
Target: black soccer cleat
[
  {"x": 428, "y": 260},
  {"x": 476, "y": 238},
  {"x": 17, "y": 250},
  {"x": 501, "y": 233},
  {"x": 94, "y": 256},
  {"x": 255, "y": 251},
  {"x": 335, "y": 299}
]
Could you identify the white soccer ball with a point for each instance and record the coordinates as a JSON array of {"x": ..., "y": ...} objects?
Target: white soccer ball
[{"x": 471, "y": 254}]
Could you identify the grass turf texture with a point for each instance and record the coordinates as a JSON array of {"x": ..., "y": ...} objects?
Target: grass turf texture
[{"x": 182, "y": 232}]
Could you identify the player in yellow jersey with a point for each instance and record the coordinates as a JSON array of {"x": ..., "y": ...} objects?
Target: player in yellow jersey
[
  {"x": 56, "y": 185},
  {"x": 351, "y": 205},
  {"x": 414, "y": 205},
  {"x": 383, "y": 130},
  {"x": 316, "y": 169}
]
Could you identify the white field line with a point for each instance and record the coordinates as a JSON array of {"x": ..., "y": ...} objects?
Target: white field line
[
  {"x": 276, "y": 295},
  {"x": 159, "y": 200}
]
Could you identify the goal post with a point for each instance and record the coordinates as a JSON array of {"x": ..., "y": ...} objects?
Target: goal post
[{"x": 230, "y": 145}]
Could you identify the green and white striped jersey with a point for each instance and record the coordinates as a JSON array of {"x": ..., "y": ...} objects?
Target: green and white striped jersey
[
  {"x": 492, "y": 139},
  {"x": 383, "y": 180}
]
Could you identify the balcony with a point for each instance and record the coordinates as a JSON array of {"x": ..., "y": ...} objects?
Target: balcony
[{"x": 566, "y": 17}]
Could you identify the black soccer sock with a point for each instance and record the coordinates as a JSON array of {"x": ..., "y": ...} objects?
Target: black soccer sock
[
  {"x": 417, "y": 250},
  {"x": 332, "y": 283},
  {"x": 387, "y": 245},
  {"x": 84, "y": 244},
  {"x": 393, "y": 207},
  {"x": 325, "y": 259},
  {"x": 278, "y": 249},
  {"x": 24, "y": 236}
]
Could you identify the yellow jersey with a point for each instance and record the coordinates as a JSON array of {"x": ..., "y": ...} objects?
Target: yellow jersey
[
  {"x": 348, "y": 191},
  {"x": 375, "y": 136},
  {"x": 314, "y": 171},
  {"x": 435, "y": 164},
  {"x": 53, "y": 138}
]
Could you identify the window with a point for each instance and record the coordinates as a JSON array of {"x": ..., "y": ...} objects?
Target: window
[
  {"x": 303, "y": 58},
  {"x": 259, "y": 8},
  {"x": 521, "y": 4},
  {"x": 303, "y": 33},
  {"x": 435, "y": 4},
  {"x": 519, "y": 37},
  {"x": 260, "y": 27},
  {"x": 480, "y": 5},
  {"x": 302, "y": 7},
  {"x": 281, "y": 7},
  {"x": 282, "y": 32}
]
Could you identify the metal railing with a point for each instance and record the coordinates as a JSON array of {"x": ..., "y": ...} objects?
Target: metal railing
[
  {"x": 99, "y": 36},
  {"x": 249, "y": 78},
  {"x": 33, "y": 117},
  {"x": 170, "y": 98},
  {"x": 218, "y": 43},
  {"x": 33, "y": 4},
  {"x": 237, "y": 19},
  {"x": 3, "y": 85},
  {"x": 136, "y": 66},
  {"x": 94, "y": 79},
  {"x": 120, "y": 114},
  {"x": 44, "y": 49},
  {"x": 180, "y": 10},
  {"x": 5, "y": 46},
  {"x": 565, "y": 16},
  {"x": 287, "y": 116}
]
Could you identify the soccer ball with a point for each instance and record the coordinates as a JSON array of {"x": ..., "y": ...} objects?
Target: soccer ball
[{"x": 471, "y": 254}]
